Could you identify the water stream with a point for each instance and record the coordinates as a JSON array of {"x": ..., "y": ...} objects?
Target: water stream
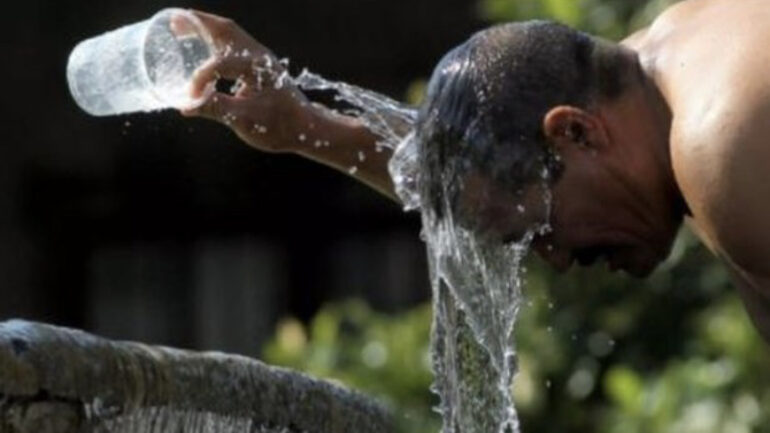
[{"x": 476, "y": 283}]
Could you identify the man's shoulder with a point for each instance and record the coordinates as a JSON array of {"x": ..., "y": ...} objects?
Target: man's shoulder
[
  {"x": 704, "y": 51},
  {"x": 721, "y": 161}
]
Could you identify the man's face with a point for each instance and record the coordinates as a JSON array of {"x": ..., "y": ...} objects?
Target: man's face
[
  {"x": 592, "y": 219},
  {"x": 592, "y": 223},
  {"x": 498, "y": 213}
]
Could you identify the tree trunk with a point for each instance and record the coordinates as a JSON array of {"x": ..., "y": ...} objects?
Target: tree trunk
[{"x": 55, "y": 380}]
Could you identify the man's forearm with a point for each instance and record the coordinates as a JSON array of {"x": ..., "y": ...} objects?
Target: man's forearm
[
  {"x": 275, "y": 116},
  {"x": 345, "y": 144}
]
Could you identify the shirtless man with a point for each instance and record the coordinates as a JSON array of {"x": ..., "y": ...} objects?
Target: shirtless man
[{"x": 670, "y": 124}]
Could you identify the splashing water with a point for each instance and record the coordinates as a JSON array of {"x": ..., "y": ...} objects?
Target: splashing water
[
  {"x": 390, "y": 120},
  {"x": 476, "y": 282},
  {"x": 386, "y": 118}
]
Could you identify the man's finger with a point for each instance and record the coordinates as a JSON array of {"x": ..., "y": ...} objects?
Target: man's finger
[
  {"x": 181, "y": 26},
  {"x": 219, "y": 107},
  {"x": 235, "y": 68},
  {"x": 224, "y": 32}
]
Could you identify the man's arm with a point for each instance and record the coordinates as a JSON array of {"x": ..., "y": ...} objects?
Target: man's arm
[
  {"x": 272, "y": 115},
  {"x": 343, "y": 143}
]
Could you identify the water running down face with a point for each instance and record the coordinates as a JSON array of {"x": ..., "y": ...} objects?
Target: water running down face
[
  {"x": 586, "y": 223},
  {"x": 524, "y": 111}
]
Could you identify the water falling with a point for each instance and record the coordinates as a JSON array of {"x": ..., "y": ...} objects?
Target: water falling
[
  {"x": 476, "y": 281},
  {"x": 388, "y": 119}
]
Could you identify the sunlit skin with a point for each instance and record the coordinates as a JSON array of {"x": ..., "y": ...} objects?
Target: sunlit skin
[{"x": 688, "y": 141}]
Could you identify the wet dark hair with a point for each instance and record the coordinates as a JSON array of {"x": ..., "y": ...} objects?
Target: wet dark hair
[{"x": 487, "y": 98}]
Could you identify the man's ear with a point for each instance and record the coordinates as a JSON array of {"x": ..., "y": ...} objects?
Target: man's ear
[{"x": 569, "y": 128}]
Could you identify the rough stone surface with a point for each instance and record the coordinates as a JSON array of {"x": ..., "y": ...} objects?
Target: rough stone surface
[{"x": 56, "y": 380}]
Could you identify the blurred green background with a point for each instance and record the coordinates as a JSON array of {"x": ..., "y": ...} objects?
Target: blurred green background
[{"x": 598, "y": 352}]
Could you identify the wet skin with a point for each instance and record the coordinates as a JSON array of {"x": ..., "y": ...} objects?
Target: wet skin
[
  {"x": 709, "y": 58},
  {"x": 687, "y": 142}
]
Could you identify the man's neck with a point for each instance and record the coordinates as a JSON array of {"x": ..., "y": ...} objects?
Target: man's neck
[{"x": 659, "y": 116}]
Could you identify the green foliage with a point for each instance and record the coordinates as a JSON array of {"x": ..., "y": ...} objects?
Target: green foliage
[
  {"x": 598, "y": 352},
  {"x": 382, "y": 355},
  {"x": 612, "y": 19},
  {"x": 675, "y": 352}
]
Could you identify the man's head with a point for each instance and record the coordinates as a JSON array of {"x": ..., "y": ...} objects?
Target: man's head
[{"x": 524, "y": 108}]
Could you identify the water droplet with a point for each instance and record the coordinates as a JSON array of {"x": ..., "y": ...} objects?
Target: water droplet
[
  {"x": 268, "y": 62},
  {"x": 302, "y": 137},
  {"x": 374, "y": 354},
  {"x": 229, "y": 118},
  {"x": 361, "y": 156},
  {"x": 353, "y": 170}
]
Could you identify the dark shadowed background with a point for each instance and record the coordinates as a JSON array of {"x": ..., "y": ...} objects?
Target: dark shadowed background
[{"x": 170, "y": 230}]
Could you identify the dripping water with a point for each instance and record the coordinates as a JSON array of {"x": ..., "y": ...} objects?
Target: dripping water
[
  {"x": 476, "y": 282},
  {"x": 477, "y": 292}
]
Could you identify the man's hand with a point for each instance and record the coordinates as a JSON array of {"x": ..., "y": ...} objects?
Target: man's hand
[
  {"x": 264, "y": 109},
  {"x": 267, "y": 111}
]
